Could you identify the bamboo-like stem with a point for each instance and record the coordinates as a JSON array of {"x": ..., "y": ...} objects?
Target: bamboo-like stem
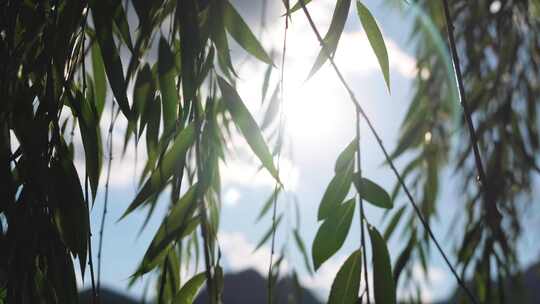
[
  {"x": 95, "y": 298},
  {"x": 360, "y": 110},
  {"x": 491, "y": 208},
  {"x": 274, "y": 211},
  {"x": 106, "y": 200},
  {"x": 363, "y": 257}
]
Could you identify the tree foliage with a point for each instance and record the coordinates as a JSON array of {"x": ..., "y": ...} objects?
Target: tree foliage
[{"x": 63, "y": 61}]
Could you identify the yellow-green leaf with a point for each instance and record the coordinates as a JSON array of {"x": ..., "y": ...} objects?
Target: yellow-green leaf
[
  {"x": 332, "y": 233},
  {"x": 247, "y": 125},
  {"x": 372, "y": 192},
  {"x": 240, "y": 31},
  {"x": 347, "y": 281},
  {"x": 375, "y": 39},
  {"x": 384, "y": 287}
]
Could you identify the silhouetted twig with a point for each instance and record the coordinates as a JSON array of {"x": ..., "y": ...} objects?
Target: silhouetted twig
[{"x": 360, "y": 110}]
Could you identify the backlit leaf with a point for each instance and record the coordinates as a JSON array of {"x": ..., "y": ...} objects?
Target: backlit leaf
[
  {"x": 332, "y": 233},
  {"x": 268, "y": 233},
  {"x": 372, "y": 192},
  {"x": 335, "y": 193},
  {"x": 172, "y": 158},
  {"x": 331, "y": 38},
  {"x": 187, "y": 293},
  {"x": 384, "y": 287},
  {"x": 346, "y": 157},
  {"x": 102, "y": 12},
  {"x": 302, "y": 248},
  {"x": 240, "y": 31},
  {"x": 247, "y": 125},
  {"x": 375, "y": 39},
  {"x": 167, "y": 84},
  {"x": 346, "y": 284}
]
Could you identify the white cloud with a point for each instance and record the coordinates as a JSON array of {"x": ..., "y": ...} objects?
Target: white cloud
[{"x": 239, "y": 253}]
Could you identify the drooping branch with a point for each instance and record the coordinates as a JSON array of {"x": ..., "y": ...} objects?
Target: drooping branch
[{"x": 360, "y": 110}]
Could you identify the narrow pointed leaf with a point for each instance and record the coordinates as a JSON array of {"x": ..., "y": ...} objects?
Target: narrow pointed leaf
[
  {"x": 335, "y": 193},
  {"x": 241, "y": 32},
  {"x": 302, "y": 248},
  {"x": 269, "y": 202},
  {"x": 102, "y": 12},
  {"x": 346, "y": 284},
  {"x": 372, "y": 192},
  {"x": 98, "y": 72},
  {"x": 167, "y": 84},
  {"x": 272, "y": 110},
  {"x": 384, "y": 287},
  {"x": 266, "y": 82},
  {"x": 187, "y": 293},
  {"x": 331, "y": 38},
  {"x": 298, "y": 6},
  {"x": 346, "y": 157},
  {"x": 268, "y": 233},
  {"x": 247, "y": 125},
  {"x": 332, "y": 233},
  {"x": 172, "y": 158},
  {"x": 375, "y": 39}
]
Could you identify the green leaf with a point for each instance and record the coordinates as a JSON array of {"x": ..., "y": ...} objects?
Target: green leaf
[
  {"x": 298, "y": 6},
  {"x": 177, "y": 224},
  {"x": 247, "y": 125},
  {"x": 71, "y": 214},
  {"x": 332, "y": 233},
  {"x": 121, "y": 23},
  {"x": 143, "y": 94},
  {"x": 153, "y": 118},
  {"x": 346, "y": 157},
  {"x": 393, "y": 223},
  {"x": 268, "y": 233},
  {"x": 331, "y": 38},
  {"x": 167, "y": 85},
  {"x": 98, "y": 72},
  {"x": 375, "y": 39},
  {"x": 272, "y": 110},
  {"x": 346, "y": 284},
  {"x": 268, "y": 203},
  {"x": 372, "y": 192},
  {"x": 335, "y": 193},
  {"x": 300, "y": 244},
  {"x": 384, "y": 287},
  {"x": 404, "y": 258},
  {"x": 172, "y": 158},
  {"x": 241, "y": 32},
  {"x": 266, "y": 82},
  {"x": 187, "y": 293},
  {"x": 102, "y": 12}
]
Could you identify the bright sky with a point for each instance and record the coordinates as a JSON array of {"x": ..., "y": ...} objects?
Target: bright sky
[{"x": 320, "y": 123}]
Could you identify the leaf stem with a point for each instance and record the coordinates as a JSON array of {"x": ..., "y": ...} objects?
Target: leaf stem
[
  {"x": 360, "y": 110},
  {"x": 281, "y": 81},
  {"x": 361, "y": 205}
]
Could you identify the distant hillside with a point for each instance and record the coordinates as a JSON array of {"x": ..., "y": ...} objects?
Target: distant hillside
[
  {"x": 108, "y": 296},
  {"x": 248, "y": 287}
]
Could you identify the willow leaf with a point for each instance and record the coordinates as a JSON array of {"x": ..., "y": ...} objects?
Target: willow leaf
[
  {"x": 332, "y": 233},
  {"x": 247, "y": 125},
  {"x": 331, "y": 38},
  {"x": 346, "y": 284},
  {"x": 187, "y": 293},
  {"x": 167, "y": 85},
  {"x": 240, "y": 31},
  {"x": 372, "y": 192},
  {"x": 375, "y": 39},
  {"x": 384, "y": 287}
]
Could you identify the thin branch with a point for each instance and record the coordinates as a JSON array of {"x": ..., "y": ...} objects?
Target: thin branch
[
  {"x": 106, "y": 200},
  {"x": 360, "y": 110},
  {"x": 490, "y": 208},
  {"x": 281, "y": 84},
  {"x": 361, "y": 205},
  {"x": 90, "y": 257}
]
